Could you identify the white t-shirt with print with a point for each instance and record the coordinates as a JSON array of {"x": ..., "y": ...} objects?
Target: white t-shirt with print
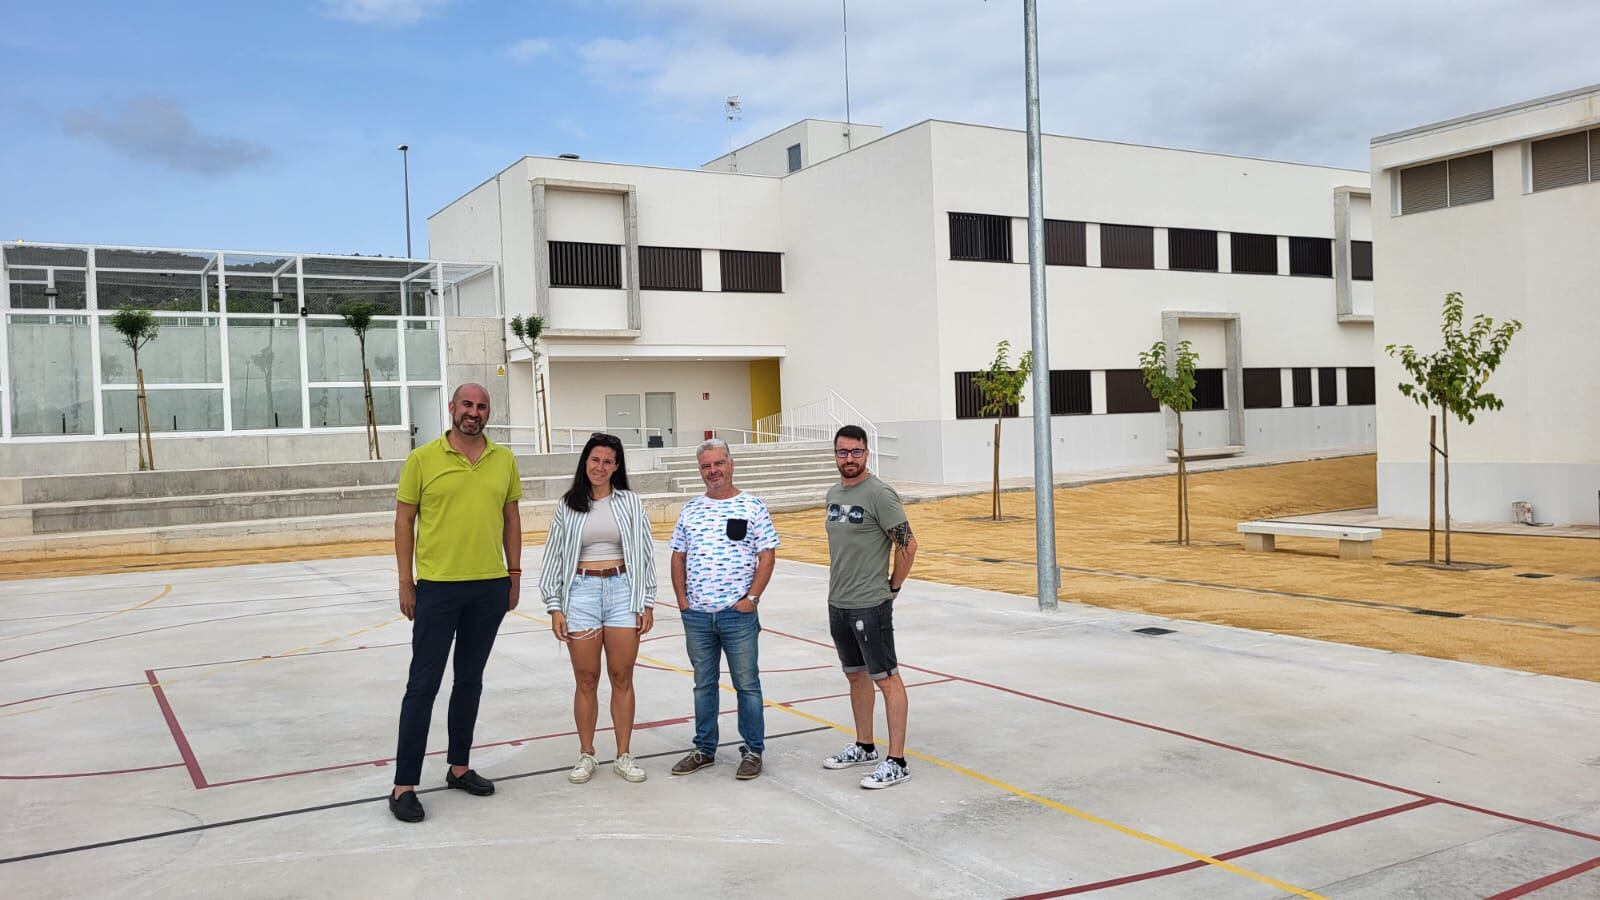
[{"x": 720, "y": 569}]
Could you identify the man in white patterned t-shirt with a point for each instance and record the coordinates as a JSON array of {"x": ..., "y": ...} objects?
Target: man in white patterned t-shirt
[{"x": 723, "y": 550}]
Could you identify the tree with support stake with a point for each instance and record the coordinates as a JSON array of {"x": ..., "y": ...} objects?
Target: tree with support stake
[
  {"x": 1171, "y": 382},
  {"x": 1001, "y": 387},
  {"x": 138, "y": 328},
  {"x": 1452, "y": 378},
  {"x": 527, "y": 330},
  {"x": 358, "y": 318}
]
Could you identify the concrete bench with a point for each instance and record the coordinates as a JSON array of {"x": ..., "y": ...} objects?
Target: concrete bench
[{"x": 1354, "y": 543}]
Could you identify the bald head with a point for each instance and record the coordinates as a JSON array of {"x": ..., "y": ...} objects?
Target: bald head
[
  {"x": 478, "y": 392},
  {"x": 469, "y": 409}
]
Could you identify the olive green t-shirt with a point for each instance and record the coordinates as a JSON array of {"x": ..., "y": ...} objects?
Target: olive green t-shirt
[
  {"x": 859, "y": 520},
  {"x": 460, "y": 509}
]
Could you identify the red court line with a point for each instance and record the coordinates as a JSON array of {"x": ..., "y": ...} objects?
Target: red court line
[
  {"x": 847, "y": 693},
  {"x": 88, "y": 774},
  {"x": 1548, "y": 880},
  {"x": 184, "y": 750},
  {"x": 103, "y": 687},
  {"x": 1232, "y": 854},
  {"x": 1226, "y": 746},
  {"x": 245, "y": 659}
]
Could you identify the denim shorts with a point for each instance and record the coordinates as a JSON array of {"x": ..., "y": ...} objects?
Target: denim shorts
[
  {"x": 865, "y": 639},
  {"x": 593, "y": 601}
]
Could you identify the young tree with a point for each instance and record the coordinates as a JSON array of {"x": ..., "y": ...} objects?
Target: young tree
[
  {"x": 358, "y": 318},
  {"x": 1171, "y": 382},
  {"x": 1001, "y": 387},
  {"x": 138, "y": 327},
  {"x": 1452, "y": 378},
  {"x": 527, "y": 330}
]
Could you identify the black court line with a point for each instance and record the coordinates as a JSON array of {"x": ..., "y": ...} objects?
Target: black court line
[{"x": 138, "y": 838}]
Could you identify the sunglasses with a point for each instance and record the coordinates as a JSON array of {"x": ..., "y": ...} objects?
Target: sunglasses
[{"x": 606, "y": 440}]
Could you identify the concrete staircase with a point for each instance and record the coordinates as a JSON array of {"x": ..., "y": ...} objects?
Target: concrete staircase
[{"x": 273, "y": 506}]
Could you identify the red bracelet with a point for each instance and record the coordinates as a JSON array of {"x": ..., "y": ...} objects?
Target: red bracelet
[{"x": 513, "y": 571}]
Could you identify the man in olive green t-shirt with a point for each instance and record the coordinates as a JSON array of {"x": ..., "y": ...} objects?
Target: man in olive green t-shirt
[
  {"x": 456, "y": 520},
  {"x": 870, "y": 552}
]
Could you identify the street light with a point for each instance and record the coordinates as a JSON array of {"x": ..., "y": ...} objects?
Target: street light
[
  {"x": 405, "y": 166},
  {"x": 1044, "y": 498}
]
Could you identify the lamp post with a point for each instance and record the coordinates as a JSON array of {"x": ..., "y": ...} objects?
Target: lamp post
[
  {"x": 1044, "y": 499},
  {"x": 405, "y": 167}
]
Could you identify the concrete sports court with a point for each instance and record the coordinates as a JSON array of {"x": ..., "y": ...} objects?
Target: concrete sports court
[{"x": 226, "y": 732}]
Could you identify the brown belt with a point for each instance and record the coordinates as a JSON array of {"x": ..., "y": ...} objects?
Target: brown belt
[{"x": 602, "y": 573}]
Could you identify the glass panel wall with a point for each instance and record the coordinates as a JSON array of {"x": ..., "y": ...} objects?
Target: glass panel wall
[
  {"x": 334, "y": 354},
  {"x": 52, "y": 380},
  {"x": 422, "y": 351},
  {"x": 170, "y": 410},
  {"x": 264, "y": 372},
  {"x": 333, "y": 407},
  {"x": 186, "y": 350}
]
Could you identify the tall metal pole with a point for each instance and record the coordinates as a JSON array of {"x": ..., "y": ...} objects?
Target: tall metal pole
[
  {"x": 405, "y": 165},
  {"x": 1044, "y": 497},
  {"x": 844, "y": 10}
]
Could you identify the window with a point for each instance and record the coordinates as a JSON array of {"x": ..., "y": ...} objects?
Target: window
[
  {"x": 1069, "y": 393},
  {"x": 1127, "y": 247},
  {"x": 1565, "y": 160},
  {"x": 969, "y": 400},
  {"x": 669, "y": 269},
  {"x": 1448, "y": 182},
  {"x": 1263, "y": 388},
  {"x": 1311, "y": 256},
  {"x": 1254, "y": 254},
  {"x": 1208, "y": 389},
  {"x": 1065, "y": 243},
  {"x": 1191, "y": 249},
  {"x": 794, "y": 157},
  {"x": 1327, "y": 387},
  {"x": 752, "y": 271},
  {"x": 1302, "y": 386},
  {"x": 1360, "y": 387},
  {"x": 980, "y": 237},
  {"x": 1126, "y": 393},
  {"x": 1361, "y": 260},
  {"x": 582, "y": 265}
]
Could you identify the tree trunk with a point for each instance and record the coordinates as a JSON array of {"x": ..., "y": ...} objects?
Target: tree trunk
[
  {"x": 1183, "y": 489},
  {"x": 1433, "y": 457},
  {"x": 996, "y": 505},
  {"x": 544, "y": 404},
  {"x": 1448, "y": 559},
  {"x": 141, "y": 417},
  {"x": 372, "y": 420}
]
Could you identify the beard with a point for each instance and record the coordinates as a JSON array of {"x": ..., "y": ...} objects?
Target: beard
[
  {"x": 851, "y": 469},
  {"x": 469, "y": 426}
]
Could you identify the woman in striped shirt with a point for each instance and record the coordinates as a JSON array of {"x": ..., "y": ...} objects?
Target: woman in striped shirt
[{"x": 599, "y": 584}]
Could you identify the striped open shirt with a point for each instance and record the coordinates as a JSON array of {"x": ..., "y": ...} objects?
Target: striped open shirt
[{"x": 565, "y": 541}]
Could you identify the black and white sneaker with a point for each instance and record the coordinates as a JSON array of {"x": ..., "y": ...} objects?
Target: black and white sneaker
[
  {"x": 851, "y": 755},
  {"x": 888, "y": 774}
]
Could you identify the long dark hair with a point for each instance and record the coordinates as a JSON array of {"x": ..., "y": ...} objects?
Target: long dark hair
[{"x": 577, "y": 497}]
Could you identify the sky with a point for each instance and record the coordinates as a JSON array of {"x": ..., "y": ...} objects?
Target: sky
[{"x": 274, "y": 126}]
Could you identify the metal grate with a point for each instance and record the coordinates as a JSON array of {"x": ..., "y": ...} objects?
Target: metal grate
[
  {"x": 1438, "y": 613},
  {"x": 1192, "y": 249},
  {"x": 1153, "y": 630},
  {"x": 1127, "y": 247},
  {"x": 1065, "y": 243},
  {"x": 585, "y": 265},
  {"x": 980, "y": 237},
  {"x": 669, "y": 269},
  {"x": 752, "y": 271},
  {"x": 1254, "y": 254}
]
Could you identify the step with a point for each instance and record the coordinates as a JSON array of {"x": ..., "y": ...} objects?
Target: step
[
  {"x": 687, "y": 485},
  {"x": 762, "y": 465},
  {"x": 742, "y": 462}
]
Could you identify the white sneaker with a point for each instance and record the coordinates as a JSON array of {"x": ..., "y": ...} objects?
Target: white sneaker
[
  {"x": 584, "y": 770},
  {"x": 851, "y": 755},
  {"x": 888, "y": 774},
  {"x": 627, "y": 768}
]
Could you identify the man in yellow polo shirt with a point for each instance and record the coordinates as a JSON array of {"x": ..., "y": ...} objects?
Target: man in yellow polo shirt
[{"x": 456, "y": 517}]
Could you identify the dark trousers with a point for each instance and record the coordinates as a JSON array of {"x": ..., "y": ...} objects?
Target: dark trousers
[{"x": 468, "y": 612}]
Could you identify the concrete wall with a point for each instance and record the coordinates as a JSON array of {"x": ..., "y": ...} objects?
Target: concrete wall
[
  {"x": 119, "y": 454},
  {"x": 819, "y": 139},
  {"x": 1522, "y": 255},
  {"x": 578, "y": 390}
]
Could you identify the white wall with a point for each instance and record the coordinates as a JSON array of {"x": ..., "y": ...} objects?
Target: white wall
[
  {"x": 819, "y": 139},
  {"x": 578, "y": 391},
  {"x": 1525, "y": 256}
]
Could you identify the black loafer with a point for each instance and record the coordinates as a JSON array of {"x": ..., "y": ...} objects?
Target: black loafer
[
  {"x": 406, "y": 807},
  {"x": 471, "y": 782}
]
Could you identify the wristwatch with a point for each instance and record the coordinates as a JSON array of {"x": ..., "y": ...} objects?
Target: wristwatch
[{"x": 755, "y": 599}]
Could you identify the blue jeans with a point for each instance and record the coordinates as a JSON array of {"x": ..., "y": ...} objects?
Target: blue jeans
[{"x": 708, "y": 636}]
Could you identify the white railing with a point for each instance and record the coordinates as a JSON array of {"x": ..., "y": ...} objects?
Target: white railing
[{"x": 817, "y": 422}]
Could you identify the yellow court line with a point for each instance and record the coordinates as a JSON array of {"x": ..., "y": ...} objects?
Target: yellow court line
[
  {"x": 165, "y": 590},
  {"x": 1036, "y": 798}
]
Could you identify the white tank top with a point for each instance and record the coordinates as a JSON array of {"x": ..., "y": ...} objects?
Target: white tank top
[{"x": 601, "y": 538}]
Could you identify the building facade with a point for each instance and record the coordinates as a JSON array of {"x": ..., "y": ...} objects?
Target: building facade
[
  {"x": 883, "y": 269},
  {"x": 1503, "y": 206}
]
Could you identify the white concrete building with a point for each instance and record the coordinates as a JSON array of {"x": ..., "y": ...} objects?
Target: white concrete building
[
  {"x": 883, "y": 270},
  {"x": 1503, "y": 206}
]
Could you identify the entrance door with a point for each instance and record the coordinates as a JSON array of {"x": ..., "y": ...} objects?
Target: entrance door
[
  {"x": 622, "y": 418},
  {"x": 661, "y": 418},
  {"x": 427, "y": 417}
]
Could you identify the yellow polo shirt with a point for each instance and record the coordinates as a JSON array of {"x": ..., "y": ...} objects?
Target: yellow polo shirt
[{"x": 461, "y": 509}]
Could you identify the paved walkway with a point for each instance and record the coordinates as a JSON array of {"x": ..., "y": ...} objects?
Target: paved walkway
[{"x": 226, "y": 732}]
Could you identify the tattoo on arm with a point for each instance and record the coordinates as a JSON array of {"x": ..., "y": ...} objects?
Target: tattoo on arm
[{"x": 900, "y": 535}]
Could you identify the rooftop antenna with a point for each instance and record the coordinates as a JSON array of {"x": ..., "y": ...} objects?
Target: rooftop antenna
[
  {"x": 733, "y": 112},
  {"x": 844, "y": 9}
]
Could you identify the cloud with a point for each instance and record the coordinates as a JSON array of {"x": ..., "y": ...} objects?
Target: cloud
[
  {"x": 1304, "y": 82},
  {"x": 383, "y": 12},
  {"x": 529, "y": 49},
  {"x": 158, "y": 130}
]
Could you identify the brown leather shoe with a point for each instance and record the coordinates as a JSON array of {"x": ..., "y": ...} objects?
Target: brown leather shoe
[
  {"x": 749, "y": 766},
  {"x": 693, "y": 762}
]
